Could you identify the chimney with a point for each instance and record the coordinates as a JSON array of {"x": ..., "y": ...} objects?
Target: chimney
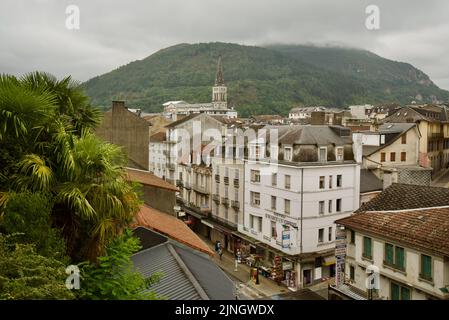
[{"x": 118, "y": 104}]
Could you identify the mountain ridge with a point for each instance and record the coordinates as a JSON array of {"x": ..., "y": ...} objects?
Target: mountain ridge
[{"x": 262, "y": 80}]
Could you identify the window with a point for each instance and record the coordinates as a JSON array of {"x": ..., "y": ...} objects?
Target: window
[
  {"x": 329, "y": 234},
  {"x": 404, "y": 138},
  {"x": 321, "y": 207},
  {"x": 321, "y": 182},
  {"x": 251, "y": 221},
  {"x": 320, "y": 235},
  {"x": 273, "y": 229},
  {"x": 426, "y": 267},
  {"x": 329, "y": 209},
  {"x": 403, "y": 156},
  {"x": 255, "y": 176},
  {"x": 259, "y": 225},
  {"x": 287, "y": 181},
  {"x": 340, "y": 154},
  {"x": 352, "y": 239},
  {"x": 399, "y": 292},
  {"x": 323, "y": 154},
  {"x": 236, "y": 174},
  {"x": 274, "y": 179},
  {"x": 367, "y": 248},
  {"x": 339, "y": 180},
  {"x": 399, "y": 258},
  {"x": 389, "y": 254},
  {"x": 255, "y": 198},
  {"x": 257, "y": 152},
  {"x": 273, "y": 203},
  {"x": 287, "y": 206},
  {"x": 352, "y": 273},
  {"x": 330, "y": 182},
  {"x": 217, "y": 188},
  {"x": 382, "y": 157},
  {"x": 288, "y": 154},
  {"x": 236, "y": 195},
  {"x": 226, "y": 192},
  {"x": 338, "y": 209},
  {"x": 392, "y": 156}
]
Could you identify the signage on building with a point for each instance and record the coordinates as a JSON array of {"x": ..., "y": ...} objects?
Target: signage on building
[
  {"x": 340, "y": 254},
  {"x": 287, "y": 265},
  {"x": 286, "y": 239},
  {"x": 280, "y": 220}
]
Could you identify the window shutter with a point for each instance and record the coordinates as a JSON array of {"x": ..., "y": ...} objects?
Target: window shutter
[
  {"x": 400, "y": 258},
  {"x": 405, "y": 293},
  {"x": 394, "y": 291},
  {"x": 388, "y": 254}
]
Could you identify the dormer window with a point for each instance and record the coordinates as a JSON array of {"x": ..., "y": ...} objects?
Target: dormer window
[
  {"x": 323, "y": 154},
  {"x": 340, "y": 156},
  {"x": 287, "y": 153}
]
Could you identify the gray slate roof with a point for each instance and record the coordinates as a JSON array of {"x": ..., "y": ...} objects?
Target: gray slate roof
[
  {"x": 369, "y": 181},
  {"x": 187, "y": 274},
  {"x": 311, "y": 134}
]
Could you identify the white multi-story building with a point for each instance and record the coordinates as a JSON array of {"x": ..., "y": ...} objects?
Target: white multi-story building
[
  {"x": 290, "y": 205},
  {"x": 158, "y": 154}
]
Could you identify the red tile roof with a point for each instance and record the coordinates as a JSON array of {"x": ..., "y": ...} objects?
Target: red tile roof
[
  {"x": 424, "y": 229},
  {"x": 171, "y": 227},
  {"x": 147, "y": 178}
]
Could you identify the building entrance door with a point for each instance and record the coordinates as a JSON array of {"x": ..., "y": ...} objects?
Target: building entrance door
[{"x": 307, "y": 277}]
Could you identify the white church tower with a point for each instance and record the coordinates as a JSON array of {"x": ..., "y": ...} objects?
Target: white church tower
[{"x": 219, "y": 90}]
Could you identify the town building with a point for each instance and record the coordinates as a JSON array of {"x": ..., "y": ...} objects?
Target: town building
[
  {"x": 158, "y": 154},
  {"x": 401, "y": 235},
  {"x": 156, "y": 192},
  {"x": 175, "y": 110},
  {"x": 125, "y": 127},
  {"x": 432, "y": 122},
  {"x": 292, "y": 201},
  {"x": 391, "y": 152},
  {"x": 303, "y": 112}
]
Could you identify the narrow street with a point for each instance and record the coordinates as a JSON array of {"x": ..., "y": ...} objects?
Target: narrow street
[{"x": 267, "y": 289}]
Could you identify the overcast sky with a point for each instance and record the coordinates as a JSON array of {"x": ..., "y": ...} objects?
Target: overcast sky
[{"x": 33, "y": 33}]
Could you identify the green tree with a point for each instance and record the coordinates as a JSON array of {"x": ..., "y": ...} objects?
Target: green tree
[
  {"x": 24, "y": 274},
  {"x": 28, "y": 216},
  {"x": 114, "y": 276},
  {"x": 47, "y": 146}
]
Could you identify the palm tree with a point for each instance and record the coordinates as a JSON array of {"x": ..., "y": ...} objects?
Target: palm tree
[{"x": 47, "y": 125}]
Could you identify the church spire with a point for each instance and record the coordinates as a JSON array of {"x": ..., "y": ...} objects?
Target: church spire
[{"x": 219, "y": 75}]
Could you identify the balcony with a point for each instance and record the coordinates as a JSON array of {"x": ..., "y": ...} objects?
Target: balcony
[
  {"x": 235, "y": 204},
  {"x": 201, "y": 189},
  {"x": 236, "y": 183},
  {"x": 171, "y": 166},
  {"x": 187, "y": 185},
  {"x": 217, "y": 178},
  {"x": 226, "y": 180},
  {"x": 216, "y": 198},
  {"x": 225, "y": 201},
  {"x": 179, "y": 183},
  {"x": 203, "y": 209}
]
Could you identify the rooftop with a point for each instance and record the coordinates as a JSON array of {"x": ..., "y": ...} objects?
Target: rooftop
[
  {"x": 147, "y": 178},
  {"x": 171, "y": 227},
  {"x": 400, "y": 196},
  {"x": 369, "y": 181},
  {"x": 425, "y": 229},
  {"x": 186, "y": 274}
]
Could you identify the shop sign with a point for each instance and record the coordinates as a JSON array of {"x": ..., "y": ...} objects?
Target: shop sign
[
  {"x": 287, "y": 265},
  {"x": 280, "y": 220},
  {"x": 286, "y": 239}
]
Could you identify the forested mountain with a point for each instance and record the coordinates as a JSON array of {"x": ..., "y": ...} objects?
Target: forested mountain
[{"x": 263, "y": 80}]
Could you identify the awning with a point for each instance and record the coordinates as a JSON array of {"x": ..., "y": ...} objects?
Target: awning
[
  {"x": 328, "y": 261},
  {"x": 217, "y": 226}
]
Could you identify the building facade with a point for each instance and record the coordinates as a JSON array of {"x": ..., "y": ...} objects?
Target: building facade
[{"x": 290, "y": 206}]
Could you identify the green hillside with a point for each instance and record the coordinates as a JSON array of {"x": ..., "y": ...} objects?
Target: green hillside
[{"x": 262, "y": 80}]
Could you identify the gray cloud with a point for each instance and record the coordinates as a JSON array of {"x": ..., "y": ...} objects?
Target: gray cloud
[{"x": 33, "y": 34}]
